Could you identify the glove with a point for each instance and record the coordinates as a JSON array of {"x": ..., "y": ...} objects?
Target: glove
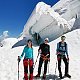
[
  {"x": 19, "y": 59},
  {"x": 68, "y": 59},
  {"x": 57, "y": 53},
  {"x": 39, "y": 51},
  {"x": 49, "y": 59}
]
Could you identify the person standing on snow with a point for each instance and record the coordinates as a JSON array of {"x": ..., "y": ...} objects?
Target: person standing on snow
[
  {"x": 62, "y": 53},
  {"x": 44, "y": 50},
  {"x": 28, "y": 60}
]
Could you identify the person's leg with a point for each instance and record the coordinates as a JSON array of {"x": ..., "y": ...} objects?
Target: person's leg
[
  {"x": 25, "y": 63},
  {"x": 59, "y": 65},
  {"x": 40, "y": 65},
  {"x": 45, "y": 68},
  {"x": 31, "y": 69},
  {"x": 66, "y": 65}
]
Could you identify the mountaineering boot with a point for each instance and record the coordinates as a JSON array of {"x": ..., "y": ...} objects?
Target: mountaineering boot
[
  {"x": 44, "y": 76},
  {"x": 37, "y": 75},
  {"x": 60, "y": 75},
  {"x": 25, "y": 76},
  {"x": 31, "y": 77},
  {"x": 67, "y": 75}
]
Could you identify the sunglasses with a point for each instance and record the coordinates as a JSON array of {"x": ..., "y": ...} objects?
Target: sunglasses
[
  {"x": 46, "y": 40},
  {"x": 63, "y": 38},
  {"x": 29, "y": 42}
]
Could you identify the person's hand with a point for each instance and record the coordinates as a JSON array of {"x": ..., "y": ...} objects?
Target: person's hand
[
  {"x": 39, "y": 51},
  {"x": 58, "y": 58},
  {"x": 58, "y": 53},
  {"x": 49, "y": 59},
  {"x": 33, "y": 61},
  {"x": 19, "y": 59},
  {"x": 67, "y": 59}
]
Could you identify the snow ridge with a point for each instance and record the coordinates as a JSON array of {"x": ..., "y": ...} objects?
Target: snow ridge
[{"x": 43, "y": 8}]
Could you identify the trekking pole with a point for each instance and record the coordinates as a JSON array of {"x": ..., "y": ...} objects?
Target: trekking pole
[
  {"x": 36, "y": 61},
  {"x": 18, "y": 67},
  {"x": 55, "y": 70},
  {"x": 56, "y": 67}
]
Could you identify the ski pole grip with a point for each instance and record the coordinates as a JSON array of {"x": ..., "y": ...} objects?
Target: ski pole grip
[{"x": 18, "y": 58}]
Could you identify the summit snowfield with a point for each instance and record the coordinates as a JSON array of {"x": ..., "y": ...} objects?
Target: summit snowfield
[{"x": 8, "y": 58}]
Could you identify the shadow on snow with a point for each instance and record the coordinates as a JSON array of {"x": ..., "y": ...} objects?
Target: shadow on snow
[{"x": 48, "y": 77}]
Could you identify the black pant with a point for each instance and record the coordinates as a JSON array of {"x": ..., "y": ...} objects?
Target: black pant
[
  {"x": 40, "y": 65},
  {"x": 60, "y": 57}
]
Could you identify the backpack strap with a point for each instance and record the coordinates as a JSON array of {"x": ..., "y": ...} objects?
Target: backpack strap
[
  {"x": 64, "y": 45},
  {"x": 59, "y": 44}
]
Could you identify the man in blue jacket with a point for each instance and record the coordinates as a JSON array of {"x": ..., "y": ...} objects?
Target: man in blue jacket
[{"x": 62, "y": 53}]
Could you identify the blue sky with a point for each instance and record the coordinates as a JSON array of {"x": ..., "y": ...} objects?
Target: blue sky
[{"x": 15, "y": 13}]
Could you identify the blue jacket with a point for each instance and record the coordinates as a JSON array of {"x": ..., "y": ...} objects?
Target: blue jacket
[
  {"x": 62, "y": 49},
  {"x": 27, "y": 53}
]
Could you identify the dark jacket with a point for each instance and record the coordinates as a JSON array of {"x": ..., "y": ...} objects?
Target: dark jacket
[{"x": 45, "y": 48}]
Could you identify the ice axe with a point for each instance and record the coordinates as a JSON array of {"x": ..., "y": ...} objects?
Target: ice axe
[{"x": 18, "y": 67}]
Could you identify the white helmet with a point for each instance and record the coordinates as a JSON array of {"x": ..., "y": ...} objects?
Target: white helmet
[{"x": 47, "y": 39}]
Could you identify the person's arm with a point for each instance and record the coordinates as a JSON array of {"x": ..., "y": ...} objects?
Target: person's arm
[
  {"x": 57, "y": 50},
  {"x": 32, "y": 55},
  {"x": 39, "y": 50},
  {"x": 49, "y": 52},
  {"x": 22, "y": 53},
  {"x": 67, "y": 51},
  {"x": 19, "y": 58}
]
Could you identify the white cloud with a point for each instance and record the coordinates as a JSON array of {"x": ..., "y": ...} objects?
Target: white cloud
[{"x": 4, "y": 35}]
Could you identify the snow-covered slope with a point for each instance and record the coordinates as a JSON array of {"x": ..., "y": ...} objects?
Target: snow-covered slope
[
  {"x": 9, "y": 41},
  {"x": 68, "y": 9},
  {"x": 8, "y": 58}
]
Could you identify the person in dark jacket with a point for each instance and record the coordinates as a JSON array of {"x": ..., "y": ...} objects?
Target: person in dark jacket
[
  {"x": 28, "y": 60},
  {"x": 44, "y": 51},
  {"x": 62, "y": 53}
]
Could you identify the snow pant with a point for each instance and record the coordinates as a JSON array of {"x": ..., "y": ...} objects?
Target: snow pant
[
  {"x": 59, "y": 58},
  {"x": 40, "y": 65},
  {"x": 26, "y": 63}
]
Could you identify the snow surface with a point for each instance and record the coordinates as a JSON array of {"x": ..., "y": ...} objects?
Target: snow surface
[{"x": 8, "y": 58}]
